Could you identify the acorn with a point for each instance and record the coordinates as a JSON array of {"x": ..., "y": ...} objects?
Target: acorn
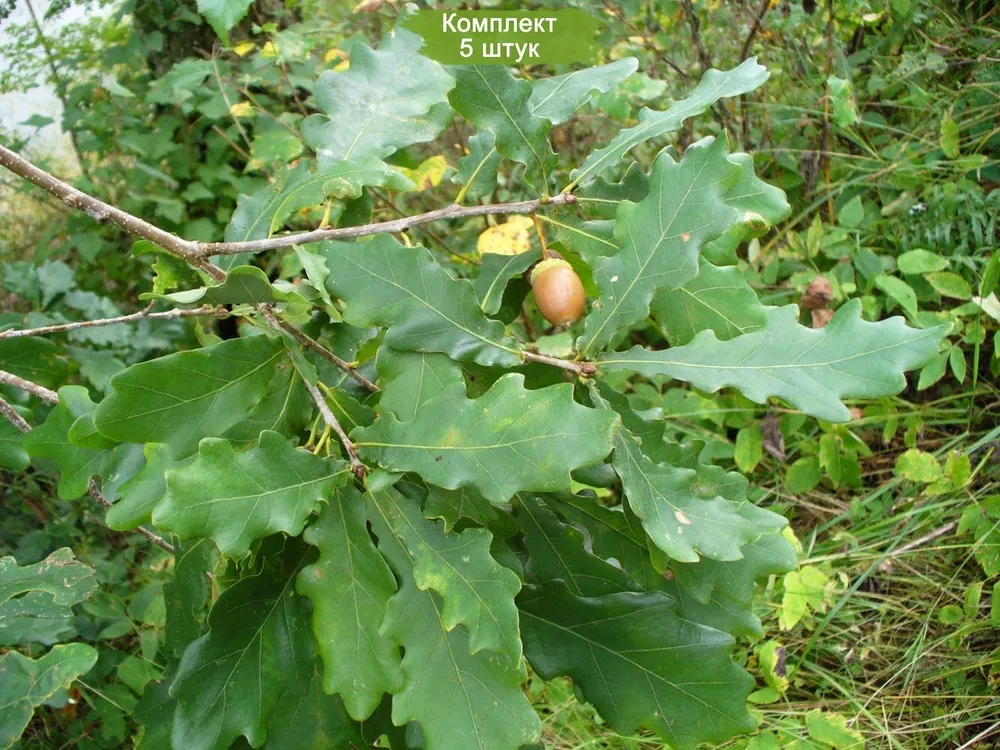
[{"x": 558, "y": 291}]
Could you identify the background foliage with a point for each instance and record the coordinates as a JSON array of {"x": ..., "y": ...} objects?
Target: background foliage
[{"x": 879, "y": 123}]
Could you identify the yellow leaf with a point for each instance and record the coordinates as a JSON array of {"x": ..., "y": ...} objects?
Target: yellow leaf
[
  {"x": 510, "y": 238},
  {"x": 244, "y": 48},
  {"x": 269, "y": 50},
  {"x": 241, "y": 109},
  {"x": 334, "y": 54},
  {"x": 427, "y": 175},
  {"x": 342, "y": 66}
]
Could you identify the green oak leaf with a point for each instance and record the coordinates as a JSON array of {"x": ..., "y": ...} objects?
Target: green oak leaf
[
  {"x": 592, "y": 239},
  {"x": 425, "y": 309},
  {"x": 459, "y": 699},
  {"x": 494, "y": 273},
  {"x": 411, "y": 379},
  {"x": 717, "y": 299},
  {"x": 770, "y": 554},
  {"x": 638, "y": 662},
  {"x": 558, "y": 97},
  {"x": 317, "y": 721},
  {"x": 475, "y": 590},
  {"x": 35, "y": 618},
  {"x": 36, "y": 600},
  {"x": 492, "y": 99},
  {"x": 477, "y": 170},
  {"x": 714, "y": 85},
  {"x": 60, "y": 575},
  {"x": 812, "y": 369},
  {"x": 256, "y": 655},
  {"x": 27, "y": 683},
  {"x": 561, "y": 551},
  {"x": 507, "y": 440},
  {"x": 616, "y": 534},
  {"x": 680, "y": 517},
  {"x": 186, "y": 596},
  {"x": 183, "y": 397},
  {"x": 350, "y": 585},
  {"x": 140, "y": 494},
  {"x": 689, "y": 203},
  {"x": 77, "y": 465},
  {"x": 580, "y": 553},
  {"x": 388, "y": 99},
  {"x": 223, "y": 14},
  {"x": 260, "y": 215},
  {"x": 452, "y": 505},
  {"x": 285, "y": 408},
  {"x": 234, "y": 498}
]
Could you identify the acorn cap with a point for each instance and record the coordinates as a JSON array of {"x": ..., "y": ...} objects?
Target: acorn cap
[{"x": 545, "y": 265}]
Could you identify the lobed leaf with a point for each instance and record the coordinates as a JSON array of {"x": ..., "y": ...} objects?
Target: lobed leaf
[
  {"x": 477, "y": 170},
  {"x": 388, "y": 99},
  {"x": 714, "y": 85},
  {"x": 638, "y": 663},
  {"x": 425, "y": 309},
  {"x": 78, "y": 464},
  {"x": 183, "y": 397},
  {"x": 459, "y": 699},
  {"x": 717, "y": 299},
  {"x": 350, "y": 586},
  {"x": 812, "y": 369},
  {"x": 27, "y": 683},
  {"x": 507, "y": 440},
  {"x": 256, "y": 655},
  {"x": 260, "y": 215},
  {"x": 492, "y": 99},
  {"x": 556, "y": 98},
  {"x": 475, "y": 590},
  {"x": 234, "y": 498},
  {"x": 690, "y": 202}
]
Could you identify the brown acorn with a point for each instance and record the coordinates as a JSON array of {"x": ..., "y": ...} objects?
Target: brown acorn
[{"x": 558, "y": 291}]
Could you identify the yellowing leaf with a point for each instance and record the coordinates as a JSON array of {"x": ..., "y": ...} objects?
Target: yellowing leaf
[
  {"x": 334, "y": 54},
  {"x": 241, "y": 109},
  {"x": 342, "y": 66},
  {"x": 510, "y": 238},
  {"x": 244, "y": 48},
  {"x": 269, "y": 50},
  {"x": 429, "y": 174}
]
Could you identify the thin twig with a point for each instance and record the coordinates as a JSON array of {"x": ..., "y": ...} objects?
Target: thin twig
[
  {"x": 454, "y": 211},
  {"x": 95, "y": 492},
  {"x": 307, "y": 340},
  {"x": 7, "y": 378},
  {"x": 745, "y": 52},
  {"x": 583, "y": 369},
  {"x": 198, "y": 253},
  {"x": 331, "y": 421},
  {"x": 104, "y": 212},
  {"x": 13, "y": 417},
  {"x": 141, "y": 315},
  {"x": 929, "y": 537}
]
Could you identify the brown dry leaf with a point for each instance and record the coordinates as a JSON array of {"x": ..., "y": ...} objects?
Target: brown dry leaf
[
  {"x": 368, "y": 6},
  {"x": 817, "y": 295},
  {"x": 774, "y": 441},
  {"x": 821, "y": 317}
]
